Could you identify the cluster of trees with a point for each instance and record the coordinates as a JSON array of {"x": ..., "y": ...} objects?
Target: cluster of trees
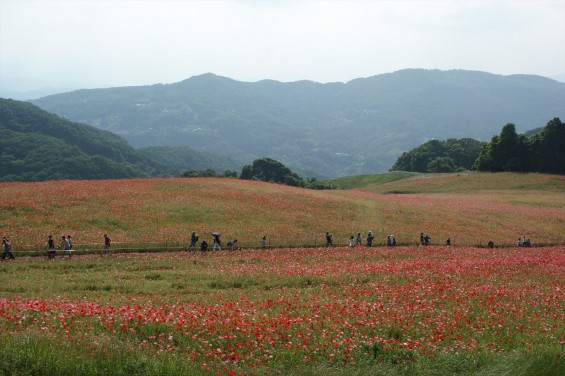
[
  {"x": 265, "y": 169},
  {"x": 440, "y": 156},
  {"x": 270, "y": 170},
  {"x": 544, "y": 151},
  {"x": 208, "y": 173},
  {"x": 541, "y": 150}
]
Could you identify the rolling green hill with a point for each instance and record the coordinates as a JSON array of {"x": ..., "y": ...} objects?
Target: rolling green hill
[
  {"x": 36, "y": 145},
  {"x": 320, "y": 130},
  {"x": 359, "y": 181}
]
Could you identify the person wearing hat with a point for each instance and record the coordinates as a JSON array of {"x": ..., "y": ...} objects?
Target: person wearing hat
[
  {"x": 7, "y": 249},
  {"x": 217, "y": 242}
]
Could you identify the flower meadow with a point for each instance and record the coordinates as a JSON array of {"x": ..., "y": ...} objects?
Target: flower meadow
[
  {"x": 294, "y": 307},
  {"x": 166, "y": 211},
  {"x": 396, "y": 310}
]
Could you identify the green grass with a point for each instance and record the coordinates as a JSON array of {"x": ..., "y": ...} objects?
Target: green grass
[
  {"x": 27, "y": 356},
  {"x": 358, "y": 181},
  {"x": 470, "y": 182}
]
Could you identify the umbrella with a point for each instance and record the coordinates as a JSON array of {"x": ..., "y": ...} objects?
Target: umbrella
[{"x": 215, "y": 233}]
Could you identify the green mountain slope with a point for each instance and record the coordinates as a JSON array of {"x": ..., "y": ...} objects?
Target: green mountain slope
[
  {"x": 36, "y": 145},
  {"x": 184, "y": 158},
  {"x": 321, "y": 130}
]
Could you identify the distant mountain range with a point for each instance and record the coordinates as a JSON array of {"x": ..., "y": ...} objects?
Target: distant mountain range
[{"x": 318, "y": 130}]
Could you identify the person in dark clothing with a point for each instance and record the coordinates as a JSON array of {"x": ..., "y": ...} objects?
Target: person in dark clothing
[
  {"x": 193, "y": 240},
  {"x": 329, "y": 240},
  {"x": 204, "y": 246},
  {"x": 7, "y": 249},
  {"x": 50, "y": 247},
  {"x": 490, "y": 244},
  {"x": 427, "y": 239},
  {"x": 370, "y": 238},
  {"x": 107, "y": 243}
]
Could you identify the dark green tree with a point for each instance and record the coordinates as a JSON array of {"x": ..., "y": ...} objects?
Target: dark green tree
[
  {"x": 442, "y": 164},
  {"x": 270, "y": 170},
  {"x": 547, "y": 148},
  {"x": 440, "y": 156},
  {"x": 505, "y": 152}
]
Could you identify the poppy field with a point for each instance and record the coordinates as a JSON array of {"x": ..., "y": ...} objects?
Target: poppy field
[
  {"x": 296, "y": 307},
  {"x": 160, "y": 211},
  {"x": 403, "y": 310}
]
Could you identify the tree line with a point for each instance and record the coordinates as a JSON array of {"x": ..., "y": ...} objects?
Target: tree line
[
  {"x": 541, "y": 151},
  {"x": 544, "y": 151}
]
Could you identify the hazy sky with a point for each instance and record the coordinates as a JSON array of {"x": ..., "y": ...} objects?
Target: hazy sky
[{"x": 87, "y": 44}]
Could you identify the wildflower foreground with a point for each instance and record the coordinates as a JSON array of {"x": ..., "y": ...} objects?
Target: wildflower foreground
[{"x": 286, "y": 311}]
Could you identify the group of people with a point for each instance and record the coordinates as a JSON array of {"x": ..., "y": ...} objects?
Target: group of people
[
  {"x": 67, "y": 243},
  {"x": 217, "y": 243},
  {"x": 358, "y": 240},
  {"x": 525, "y": 242}
]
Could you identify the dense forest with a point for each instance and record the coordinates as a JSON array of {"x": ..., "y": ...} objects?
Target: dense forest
[
  {"x": 36, "y": 145},
  {"x": 320, "y": 130},
  {"x": 543, "y": 151},
  {"x": 539, "y": 150},
  {"x": 440, "y": 156}
]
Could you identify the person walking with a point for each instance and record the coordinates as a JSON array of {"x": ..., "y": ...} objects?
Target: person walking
[
  {"x": 50, "y": 247},
  {"x": 264, "y": 242},
  {"x": 329, "y": 240},
  {"x": 352, "y": 241},
  {"x": 193, "y": 240},
  {"x": 70, "y": 242},
  {"x": 107, "y": 242},
  {"x": 7, "y": 249},
  {"x": 66, "y": 245},
  {"x": 370, "y": 238},
  {"x": 359, "y": 240},
  {"x": 217, "y": 242}
]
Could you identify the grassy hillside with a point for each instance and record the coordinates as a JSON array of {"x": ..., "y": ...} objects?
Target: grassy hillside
[
  {"x": 471, "y": 209},
  {"x": 358, "y": 181},
  {"x": 407, "y": 310},
  {"x": 469, "y": 183}
]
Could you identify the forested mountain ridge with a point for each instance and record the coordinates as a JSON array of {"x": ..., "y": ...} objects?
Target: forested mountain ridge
[
  {"x": 36, "y": 145},
  {"x": 319, "y": 130}
]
